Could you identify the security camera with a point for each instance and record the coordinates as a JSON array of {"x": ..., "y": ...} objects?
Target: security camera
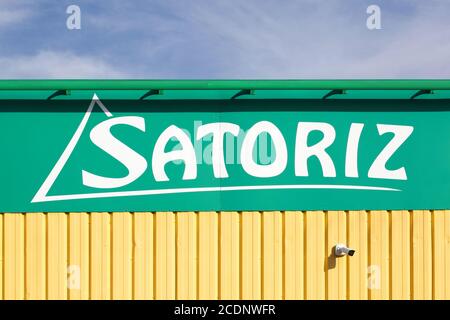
[{"x": 341, "y": 250}]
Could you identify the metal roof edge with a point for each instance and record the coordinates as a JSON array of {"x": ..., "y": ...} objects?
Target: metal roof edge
[{"x": 124, "y": 84}]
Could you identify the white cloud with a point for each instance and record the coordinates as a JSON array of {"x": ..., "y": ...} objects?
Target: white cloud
[
  {"x": 295, "y": 39},
  {"x": 312, "y": 39},
  {"x": 53, "y": 65},
  {"x": 11, "y": 17},
  {"x": 11, "y": 13},
  {"x": 242, "y": 39}
]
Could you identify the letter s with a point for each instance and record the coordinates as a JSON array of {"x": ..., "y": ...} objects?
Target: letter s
[
  {"x": 136, "y": 164},
  {"x": 378, "y": 168}
]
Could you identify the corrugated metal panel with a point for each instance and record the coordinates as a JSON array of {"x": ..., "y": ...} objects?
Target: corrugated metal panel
[{"x": 228, "y": 255}]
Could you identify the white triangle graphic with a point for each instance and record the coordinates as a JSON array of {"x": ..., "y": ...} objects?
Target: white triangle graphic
[{"x": 41, "y": 195}]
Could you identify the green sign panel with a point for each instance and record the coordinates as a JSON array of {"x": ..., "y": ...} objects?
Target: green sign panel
[{"x": 242, "y": 154}]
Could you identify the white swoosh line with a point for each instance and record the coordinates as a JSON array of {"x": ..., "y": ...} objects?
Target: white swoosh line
[{"x": 209, "y": 189}]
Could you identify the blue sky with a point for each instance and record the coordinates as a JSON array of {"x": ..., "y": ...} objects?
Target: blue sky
[{"x": 225, "y": 39}]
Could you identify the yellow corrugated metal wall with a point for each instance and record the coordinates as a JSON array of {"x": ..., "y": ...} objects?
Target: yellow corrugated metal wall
[{"x": 226, "y": 255}]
